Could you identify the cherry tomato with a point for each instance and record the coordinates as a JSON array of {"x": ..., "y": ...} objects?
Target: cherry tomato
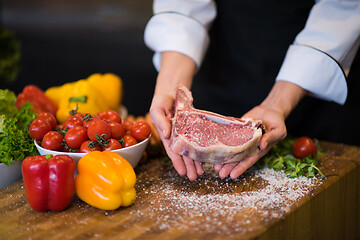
[
  {"x": 73, "y": 121},
  {"x": 81, "y": 115},
  {"x": 129, "y": 141},
  {"x": 64, "y": 148},
  {"x": 89, "y": 146},
  {"x": 88, "y": 119},
  {"x": 140, "y": 130},
  {"x": 303, "y": 147},
  {"x": 76, "y": 136},
  {"x": 113, "y": 145},
  {"x": 117, "y": 130},
  {"x": 110, "y": 116},
  {"x": 127, "y": 126},
  {"x": 49, "y": 118},
  {"x": 38, "y": 128},
  {"x": 99, "y": 127},
  {"x": 52, "y": 140},
  {"x": 98, "y": 114}
]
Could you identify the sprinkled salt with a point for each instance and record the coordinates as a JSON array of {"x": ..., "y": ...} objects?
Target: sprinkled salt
[{"x": 211, "y": 203}]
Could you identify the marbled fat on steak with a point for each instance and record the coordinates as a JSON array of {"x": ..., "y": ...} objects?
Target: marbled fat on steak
[{"x": 209, "y": 137}]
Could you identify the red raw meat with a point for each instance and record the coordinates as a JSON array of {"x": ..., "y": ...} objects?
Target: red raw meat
[{"x": 209, "y": 137}]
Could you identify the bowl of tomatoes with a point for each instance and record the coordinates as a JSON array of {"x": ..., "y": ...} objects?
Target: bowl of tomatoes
[{"x": 83, "y": 133}]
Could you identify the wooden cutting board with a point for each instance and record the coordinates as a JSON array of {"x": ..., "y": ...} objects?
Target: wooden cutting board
[{"x": 261, "y": 204}]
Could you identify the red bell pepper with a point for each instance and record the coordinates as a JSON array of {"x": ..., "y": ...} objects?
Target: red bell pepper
[
  {"x": 37, "y": 97},
  {"x": 49, "y": 181}
]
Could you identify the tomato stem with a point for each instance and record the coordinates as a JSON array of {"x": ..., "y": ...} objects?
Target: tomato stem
[
  {"x": 122, "y": 142},
  {"x": 74, "y": 111},
  {"x": 92, "y": 144},
  {"x": 87, "y": 117},
  {"x": 101, "y": 140}
]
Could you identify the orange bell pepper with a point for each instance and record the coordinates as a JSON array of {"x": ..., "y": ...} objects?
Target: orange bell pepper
[{"x": 105, "y": 180}]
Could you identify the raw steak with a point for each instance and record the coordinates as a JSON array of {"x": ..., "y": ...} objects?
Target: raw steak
[{"x": 209, "y": 137}]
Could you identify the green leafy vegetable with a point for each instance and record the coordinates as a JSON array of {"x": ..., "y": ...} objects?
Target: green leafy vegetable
[
  {"x": 15, "y": 142},
  {"x": 7, "y": 103},
  {"x": 280, "y": 157},
  {"x": 10, "y": 57}
]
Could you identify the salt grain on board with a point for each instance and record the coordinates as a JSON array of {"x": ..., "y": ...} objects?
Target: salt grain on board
[{"x": 222, "y": 203}]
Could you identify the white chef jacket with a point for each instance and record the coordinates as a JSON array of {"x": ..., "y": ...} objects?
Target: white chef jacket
[{"x": 318, "y": 60}]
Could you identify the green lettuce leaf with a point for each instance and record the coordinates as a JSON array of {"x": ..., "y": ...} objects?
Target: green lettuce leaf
[
  {"x": 15, "y": 141},
  {"x": 7, "y": 103}
]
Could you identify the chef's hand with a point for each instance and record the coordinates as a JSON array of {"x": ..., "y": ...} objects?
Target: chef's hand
[
  {"x": 282, "y": 99},
  {"x": 160, "y": 113},
  {"x": 275, "y": 131},
  {"x": 176, "y": 69}
]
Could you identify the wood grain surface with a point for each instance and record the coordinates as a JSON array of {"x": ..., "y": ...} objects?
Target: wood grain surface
[{"x": 171, "y": 207}]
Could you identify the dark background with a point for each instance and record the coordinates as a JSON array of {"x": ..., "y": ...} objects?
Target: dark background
[{"x": 65, "y": 40}]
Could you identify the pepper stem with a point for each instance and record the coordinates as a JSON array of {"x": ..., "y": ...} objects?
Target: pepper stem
[{"x": 82, "y": 99}]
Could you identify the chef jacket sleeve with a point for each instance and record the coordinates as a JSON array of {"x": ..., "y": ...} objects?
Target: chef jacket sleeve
[
  {"x": 180, "y": 26},
  {"x": 320, "y": 57}
]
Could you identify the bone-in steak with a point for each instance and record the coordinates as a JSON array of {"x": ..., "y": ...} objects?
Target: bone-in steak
[{"x": 209, "y": 137}]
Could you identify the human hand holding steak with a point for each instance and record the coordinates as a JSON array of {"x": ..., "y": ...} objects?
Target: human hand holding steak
[
  {"x": 176, "y": 69},
  {"x": 160, "y": 113},
  {"x": 273, "y": 111},
  {"x": 276, "y": 107},
  {"x": 274, "y": 123}
]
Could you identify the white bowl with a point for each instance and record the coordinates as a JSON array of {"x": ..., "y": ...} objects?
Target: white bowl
[
  {"x": 10, "y": 174},
  {"x": 132, "y": 154}
]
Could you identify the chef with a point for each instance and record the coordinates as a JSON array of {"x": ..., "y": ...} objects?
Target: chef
[{"x": 291, "y": 64}]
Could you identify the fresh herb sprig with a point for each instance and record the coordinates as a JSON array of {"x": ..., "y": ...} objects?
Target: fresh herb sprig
[{"x": 280, "y": 157}]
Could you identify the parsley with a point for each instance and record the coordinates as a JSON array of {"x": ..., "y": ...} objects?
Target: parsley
[{"x": 280, "y": 157}]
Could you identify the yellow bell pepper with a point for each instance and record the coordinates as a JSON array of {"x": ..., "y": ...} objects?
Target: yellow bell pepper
[
  {"x": 105, "y": 180},
  {"x": 81, "y": 95},
  {"x": 108, "y": 88},
  {"x": 110, "y": 85},
  {"x": 56, "y": 93}
]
